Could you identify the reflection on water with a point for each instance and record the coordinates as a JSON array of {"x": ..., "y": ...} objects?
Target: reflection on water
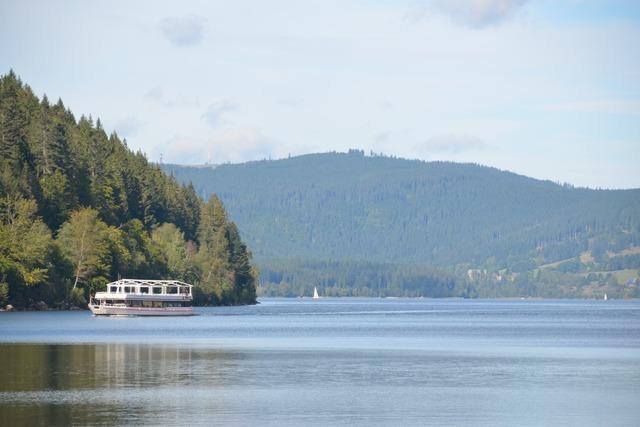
[
  {"x": 30, "y": 367},
  {"x": 102, "y": 384},
  {"x": 381, "y": 364},
  {"x": 58, "y": 383}
]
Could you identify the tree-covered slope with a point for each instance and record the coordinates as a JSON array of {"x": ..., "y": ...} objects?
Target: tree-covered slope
[
  {"x": 79, "y": 209},
  {"x": 356, "y": 207}
]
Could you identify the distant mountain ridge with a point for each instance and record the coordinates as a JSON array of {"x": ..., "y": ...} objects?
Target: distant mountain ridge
[{"x": 384, "y": 209}]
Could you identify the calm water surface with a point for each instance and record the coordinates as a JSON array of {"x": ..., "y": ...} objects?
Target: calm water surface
[{"x": 328, "y": 362}]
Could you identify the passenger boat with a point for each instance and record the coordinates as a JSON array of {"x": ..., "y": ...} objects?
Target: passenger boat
[{"x": 134, "y": 297}]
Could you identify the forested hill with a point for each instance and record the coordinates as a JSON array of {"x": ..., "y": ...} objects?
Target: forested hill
[
  {"x": 348, "y": 206},
  {"x": 79, "y": 209},
  {"x": 351, "y": 206}
]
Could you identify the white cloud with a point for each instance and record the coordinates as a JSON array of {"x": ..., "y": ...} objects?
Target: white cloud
[
  {"x": 243, "y": 143},
  {"x": 293, "y": 102},
  {"x": 597, "y": 106},
  {"x": 469, "y": 13},
  {"x": 181, "y": 149},
  {"x": 216, "y": 111},
  {"x": 451, "y": 144},
  {"x": 381, "y": 137},
  {"x": 128, "y": 126},
  {"x": 158, "y": 95},
  {"x": 233, "y": 145},
  {"x": 183, "y": 31}
]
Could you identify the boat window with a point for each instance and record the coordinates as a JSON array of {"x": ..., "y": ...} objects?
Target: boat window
[
  {"x": 172, "y": 290},
  {"x": 144, "y": 289},
  {"x": 127, "y": 289},
  {"x": 113, "y": 289},
  {"x": 157, "y": 290},
  {"x": 119, "y": 288}
]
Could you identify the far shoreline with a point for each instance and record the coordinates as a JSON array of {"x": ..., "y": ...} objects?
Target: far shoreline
[{"x": 508, "y": 299}]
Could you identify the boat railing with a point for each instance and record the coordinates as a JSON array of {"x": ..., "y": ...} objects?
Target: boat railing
[
  {"x": 120, "y": 305},
  {"x": 114, "y": 295}
]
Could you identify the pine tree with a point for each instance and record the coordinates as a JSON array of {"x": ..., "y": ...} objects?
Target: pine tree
[
  {"x": 14, "y": 121},
  {"x": 240, "y": 259}
]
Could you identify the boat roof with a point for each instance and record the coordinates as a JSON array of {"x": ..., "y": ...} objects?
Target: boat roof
[{"x": 145, "y": 282}]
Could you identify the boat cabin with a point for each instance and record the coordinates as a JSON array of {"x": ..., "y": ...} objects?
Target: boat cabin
[
  {"x": 148, "y": 287},
  {"x": 127, "y": 293},
  {"x": 137, "y": 296}
]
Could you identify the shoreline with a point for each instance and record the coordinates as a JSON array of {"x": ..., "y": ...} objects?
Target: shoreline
[{"x": 510, "y": 299}]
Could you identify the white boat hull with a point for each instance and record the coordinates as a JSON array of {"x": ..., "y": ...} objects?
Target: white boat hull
[{"x": 141, "y": 311}]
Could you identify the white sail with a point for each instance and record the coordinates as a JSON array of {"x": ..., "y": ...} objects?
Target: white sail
[
  {"x": 315, "y": 293},
  {"x": 605, "y": 297}
]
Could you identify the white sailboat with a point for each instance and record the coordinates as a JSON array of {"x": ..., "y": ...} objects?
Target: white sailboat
[
  {"x": 605, "y": 296},
  {"x": 315, "y": 293}
]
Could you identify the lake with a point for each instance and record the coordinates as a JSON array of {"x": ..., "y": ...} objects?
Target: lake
[{"x": 351, "y": 361}]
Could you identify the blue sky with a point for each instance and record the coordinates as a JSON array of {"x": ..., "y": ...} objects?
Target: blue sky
[{"x": 549, "y": 89}]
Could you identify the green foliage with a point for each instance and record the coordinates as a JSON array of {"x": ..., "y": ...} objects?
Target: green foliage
[
  {"x": 571, "y": 266},
  {"x": 226, "y": 276},
  {"x": 56, "y": 198},
  {"x": 77, "y": 297},
  {"x": 621, "y": 263},
  {"x": 24, "y": 242},
  {"x": 453, "y": 217},
  {"x": 356, "y": 278},
  {"x": 4, "y": 294},
  {"x": 84, "y": 240},
  {"x": 179, "y": 254},
  {"x": 102, "y": 202},
  {"x": 383, "y": 209}
]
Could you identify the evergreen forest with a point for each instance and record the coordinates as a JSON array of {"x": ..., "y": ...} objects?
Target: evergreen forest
[
  {"x": 79, "y": 209},
  {"x": 369, "y": 224}
]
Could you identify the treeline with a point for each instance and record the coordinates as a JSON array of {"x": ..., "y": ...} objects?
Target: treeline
[
  {"x": 291, "y": 278},
  {"x": 79, "y": 209},
  {"x": 554, "y": 283},
  {"x": 297, "y": 278}
]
